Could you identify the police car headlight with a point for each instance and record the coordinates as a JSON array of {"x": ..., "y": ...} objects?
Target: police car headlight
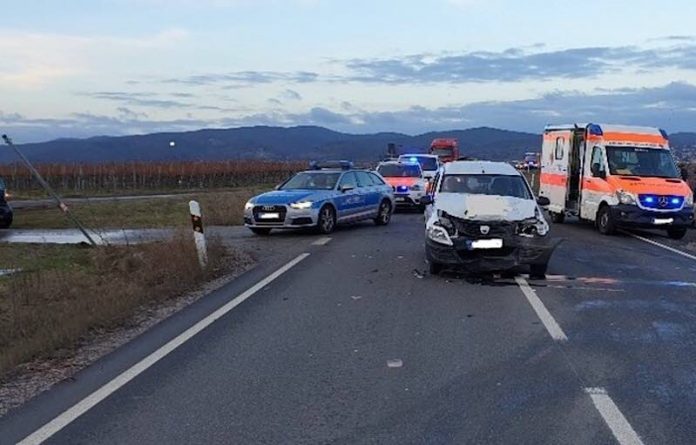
[
  {"x": 301, "y": 205},
  {"x": 249, "y": 205},
  {"x": 626, "y": 197},
  {"x": 439, "y": 235}
]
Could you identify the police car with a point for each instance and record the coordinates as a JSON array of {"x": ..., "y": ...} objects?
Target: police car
[
  {"x": 328, "y": 194},
  {"x": 406, "y": 178}
]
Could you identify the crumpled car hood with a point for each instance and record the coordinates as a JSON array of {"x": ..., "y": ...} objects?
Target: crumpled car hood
[{"x": 485, "y": 207}]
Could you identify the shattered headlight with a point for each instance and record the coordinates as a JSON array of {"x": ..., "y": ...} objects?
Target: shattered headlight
[
  {"x": 532, "y": 227},
  {"x": 438, "y": 234}
]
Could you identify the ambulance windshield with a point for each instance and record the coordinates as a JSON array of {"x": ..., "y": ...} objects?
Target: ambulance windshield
[{"x": 645, "y": 162}]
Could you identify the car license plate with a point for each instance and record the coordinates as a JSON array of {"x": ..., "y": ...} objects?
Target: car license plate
[
  {"x": 487, "y": 244},
  {"x": 663, "y": 221},
  {"x": 269, "y": 216},
  {"x": 398, "y": 199}
]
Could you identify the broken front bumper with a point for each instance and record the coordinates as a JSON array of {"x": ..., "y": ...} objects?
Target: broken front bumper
[{"x": 516, "y": 251}]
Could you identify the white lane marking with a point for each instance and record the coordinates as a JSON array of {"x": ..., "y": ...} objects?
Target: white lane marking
[
  {"x": 544, "y": 315},
  {"x": 619, "y": 426},
  {"x": 655, "y": 243},
  {"x": 322, "y": 241},
  {"x": 72, "y": 413}
]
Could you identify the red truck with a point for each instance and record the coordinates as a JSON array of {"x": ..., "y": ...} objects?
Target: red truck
[{"x": 446, "y": 149}]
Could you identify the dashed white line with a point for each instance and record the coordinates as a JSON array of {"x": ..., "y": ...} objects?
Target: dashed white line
[
  {"x": 322, "y": 241},
  {"x": 544, "y": 315},
  {"x": 655, "y": 243},
  {"x": 619, "y": 426},
  {"x": 68, "y": 416}
]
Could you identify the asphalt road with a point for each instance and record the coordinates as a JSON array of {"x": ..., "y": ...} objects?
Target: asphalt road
[{"x": 355, "y": 344}]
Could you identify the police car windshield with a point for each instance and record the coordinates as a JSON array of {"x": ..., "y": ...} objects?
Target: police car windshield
[
  {"x": 498, "y": 185},
  {"x": 312, "y": 181},
  {"x": 399, "y": 170},
  {"x": 645, "y": 162},
  {"x": 427, "y": 163}
]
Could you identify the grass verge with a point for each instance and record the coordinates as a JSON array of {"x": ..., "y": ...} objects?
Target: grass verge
[
  {"x": 219, "y": 208},
  {"x": 64, "y": 292}
]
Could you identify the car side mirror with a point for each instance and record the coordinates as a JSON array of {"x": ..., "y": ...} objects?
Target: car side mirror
[
  {"x": 346, "y": 188},
  {"x": 427, "y": 200},
  {"x": 543, "y": 201}
]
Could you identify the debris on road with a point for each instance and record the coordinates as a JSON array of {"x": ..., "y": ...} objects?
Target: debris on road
[
  {"x": 395, "y": 363},
  {"x": 418, "y": 274},
  {"x": 355, "y": 297}
]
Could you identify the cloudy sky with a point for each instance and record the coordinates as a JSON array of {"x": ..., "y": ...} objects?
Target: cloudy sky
[{"x": 92, "y": 67}]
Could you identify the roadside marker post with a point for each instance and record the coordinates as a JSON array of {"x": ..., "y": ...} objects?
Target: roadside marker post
[
  {"x": 198, "y": 235},
  {"x": 61, "y": 205}
]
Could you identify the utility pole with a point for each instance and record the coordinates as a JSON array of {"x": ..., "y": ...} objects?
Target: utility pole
[{"x": 61, "y": 205}]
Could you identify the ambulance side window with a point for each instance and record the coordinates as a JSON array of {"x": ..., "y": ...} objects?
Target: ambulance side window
[
  {"x": 597, "y": 164},
  {"x": 560, "y": 143}
]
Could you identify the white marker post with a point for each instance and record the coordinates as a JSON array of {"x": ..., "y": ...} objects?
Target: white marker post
[{"x": 198, "y": 236}]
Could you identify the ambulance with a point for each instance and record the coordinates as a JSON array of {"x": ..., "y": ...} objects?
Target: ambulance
[{"x": 616, "y": 177}]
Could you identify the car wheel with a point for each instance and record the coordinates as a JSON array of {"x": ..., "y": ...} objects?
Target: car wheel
[
  {"x": 260, "y": 231},
  {"x": 676, "y": 233},
  {"x": 434, "y": 268},
  {"x": 384, "y": 213},
  {"x": 557, "y": 218},
  {"x": 605, "y": 223},
  {"x": 327, "y": 220},
  {"x": 538, "y": 271}
]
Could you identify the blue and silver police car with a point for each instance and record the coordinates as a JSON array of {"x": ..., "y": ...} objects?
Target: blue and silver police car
[{"x": 328, "y": 194}]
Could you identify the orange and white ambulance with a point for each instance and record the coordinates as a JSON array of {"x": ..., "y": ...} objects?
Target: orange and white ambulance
[{"x": 615, "y": 176}]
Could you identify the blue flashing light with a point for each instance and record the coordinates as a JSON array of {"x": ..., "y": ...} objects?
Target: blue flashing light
[
  {"x": 413, "y": 159},
  {"x": 402, "y": 188},
  {"x": 649, "y": 199},
  {"x": 676, "y": 201},
  {"x": 595, "y": 130}
]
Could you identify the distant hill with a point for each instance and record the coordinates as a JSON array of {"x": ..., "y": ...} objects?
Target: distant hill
[{"x": 276, "y": 143}]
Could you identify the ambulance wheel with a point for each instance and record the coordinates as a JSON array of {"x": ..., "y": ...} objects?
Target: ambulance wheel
[
  {"x": 677, "y": 233},
  {"x": 605, "y": 223},
  {"x": 557, "y": 218}
]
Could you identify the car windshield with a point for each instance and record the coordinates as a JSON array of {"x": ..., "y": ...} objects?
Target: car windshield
[
  {"x": 399, "y": 170},
  {"x": 312, "y": 181},
  {"x": 646, "y": 162},
  {"x": 426, "y": 162},
  {"x": 499, "y": 185}
]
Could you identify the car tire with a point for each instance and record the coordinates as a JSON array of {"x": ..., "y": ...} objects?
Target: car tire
[
  {"x": 538, "y": 271},
  {"x": 605, "y": 223},
  {"x": 384, "y": 213},
  {"x": 260, "y": 231},
  {"x": 557, "y": 218},
  {"x": 676, "y": 233},
  {"x": 434, "y": 268},
  {"x": 326, "y": 222}
]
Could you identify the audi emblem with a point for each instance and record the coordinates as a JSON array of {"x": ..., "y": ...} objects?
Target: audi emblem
[{"x": 268, "y": 208}]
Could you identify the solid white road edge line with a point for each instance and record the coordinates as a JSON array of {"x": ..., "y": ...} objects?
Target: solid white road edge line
[
  {"x": 655, "y": 243},
  {"x": 322, "y": 241},
  {"x": 68, "y": 416},
  {"x": 619, "y": 426},
  {"x": 544, "y": 315}
]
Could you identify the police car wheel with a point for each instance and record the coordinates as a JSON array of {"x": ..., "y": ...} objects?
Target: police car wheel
[
  {"x": 327, "y": 220},
  {"x": 384, "y": 214},
  {"x": 605, "y": 223},
  {"x": 676, "y": 233}
]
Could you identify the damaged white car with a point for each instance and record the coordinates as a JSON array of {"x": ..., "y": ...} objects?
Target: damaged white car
[{"x": 483, "y": 216}]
